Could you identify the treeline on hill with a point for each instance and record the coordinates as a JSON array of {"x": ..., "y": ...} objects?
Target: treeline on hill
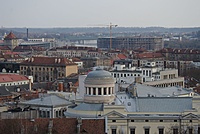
[{"x": 191, "y": 44}]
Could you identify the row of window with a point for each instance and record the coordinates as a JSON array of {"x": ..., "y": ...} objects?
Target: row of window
[
  {"x": 43, "y": 68},
  {"x": 116, "y": 75},
  {"x": 160, "y": 131},
  {"x": 147, "y": 73},
  {"x": 10, "y": 84},
  {"x": 169, "y": 84},
  {"x": 148, "y": 121},
  {"x": 46, "y": 114}
]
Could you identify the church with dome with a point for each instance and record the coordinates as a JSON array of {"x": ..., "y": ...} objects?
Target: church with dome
[{"x": 124, "y": 113}]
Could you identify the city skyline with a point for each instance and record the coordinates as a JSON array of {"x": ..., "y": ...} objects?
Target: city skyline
[{"x": 88, "y": 13}]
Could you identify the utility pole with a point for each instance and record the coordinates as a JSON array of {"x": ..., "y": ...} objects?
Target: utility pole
[{"x": 110, "y": 26}]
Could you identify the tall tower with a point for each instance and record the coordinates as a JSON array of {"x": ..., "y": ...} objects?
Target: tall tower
[{"x": 11, "y": 41}]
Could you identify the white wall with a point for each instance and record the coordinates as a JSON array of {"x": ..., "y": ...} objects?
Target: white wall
[{"x": 81, "y": 88}]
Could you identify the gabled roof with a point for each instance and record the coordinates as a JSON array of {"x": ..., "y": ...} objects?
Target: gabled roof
[
  {"x": 190, "y": 116},
  {"x": 48, "y": 101},
  {"x": 115, "y": 114},
  {"x": 10, "y": 36}
]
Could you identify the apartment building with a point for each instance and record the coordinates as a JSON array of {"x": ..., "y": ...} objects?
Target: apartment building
[
  {"x": 73, "y": 51},
  {"x": 13, "y": 79},
  {"x": 131, "y": 43},
  {"x": 181, "y": 54},
  {"x": 47, "y": 68},
  {"x": 149, "y": 74}
]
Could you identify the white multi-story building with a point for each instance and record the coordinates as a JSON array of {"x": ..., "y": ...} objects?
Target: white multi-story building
[
  {"x": 14, "y": 79},
  {"x": 158, "y": 114},
  {"x": 150, "y": 74}
]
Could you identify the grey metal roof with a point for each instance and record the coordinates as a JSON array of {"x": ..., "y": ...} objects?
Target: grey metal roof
[
  {"x": 89, "y": 107},
  {"x": 50, "y": 101},
  {"x": 74, "y": 115},
  {"x": 154, "y": 104},
  {"x": 124, "y": 99},
  {"x": 144, "y": 90},
  {"x": 164, "y": 104},
  {"x": 4, "y": 91},
  {"x": 99, "y": 73},
  {"x": 99, "y": 77}
]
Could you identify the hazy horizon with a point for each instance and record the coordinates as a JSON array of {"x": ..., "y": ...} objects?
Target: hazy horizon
[{"x": 90, "y": 13}]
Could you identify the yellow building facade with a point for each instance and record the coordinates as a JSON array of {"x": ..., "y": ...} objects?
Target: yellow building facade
[{"x": 47, "y": 68}]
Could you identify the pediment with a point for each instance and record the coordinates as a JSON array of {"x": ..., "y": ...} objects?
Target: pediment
[
  {"x": 190, "y": 116},
  {"x": 115, "y": 114}
]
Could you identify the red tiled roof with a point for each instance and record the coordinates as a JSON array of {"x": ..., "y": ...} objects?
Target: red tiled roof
[
  {"x": 149, "y": 55},
  {"x": 122, "y": 56},
  {"x": 12, "y": 78},
  {"x": 76, "y": 59},
  {"x": 10, "y": 36},
  {"x": 59, "y": 126},
  {"x": 12, "y": 56},
  {"x": 48, "y": 61},
  {"x": 4, "y": 48},
  {"x": 11, "y": 53}
]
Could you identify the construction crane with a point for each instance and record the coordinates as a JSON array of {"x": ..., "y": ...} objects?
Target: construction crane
[
  {"x": 110, "y": 26},
  {"x": 110, "y": 29}
]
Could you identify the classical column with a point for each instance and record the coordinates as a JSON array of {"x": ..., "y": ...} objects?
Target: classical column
[
  {"x": 91, "y": 90},
  {"x": 102, "y": 91},
  {"x": 106, "y": 90},
  {"x": 112, "y": 90},
  {"x": 97, "y": 91}
]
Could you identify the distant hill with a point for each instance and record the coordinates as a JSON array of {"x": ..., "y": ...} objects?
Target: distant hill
[{"x": 103, "y": 30}]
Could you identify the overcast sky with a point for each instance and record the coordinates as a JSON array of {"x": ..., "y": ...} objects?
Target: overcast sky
[{"x": 84, "y": 13}]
